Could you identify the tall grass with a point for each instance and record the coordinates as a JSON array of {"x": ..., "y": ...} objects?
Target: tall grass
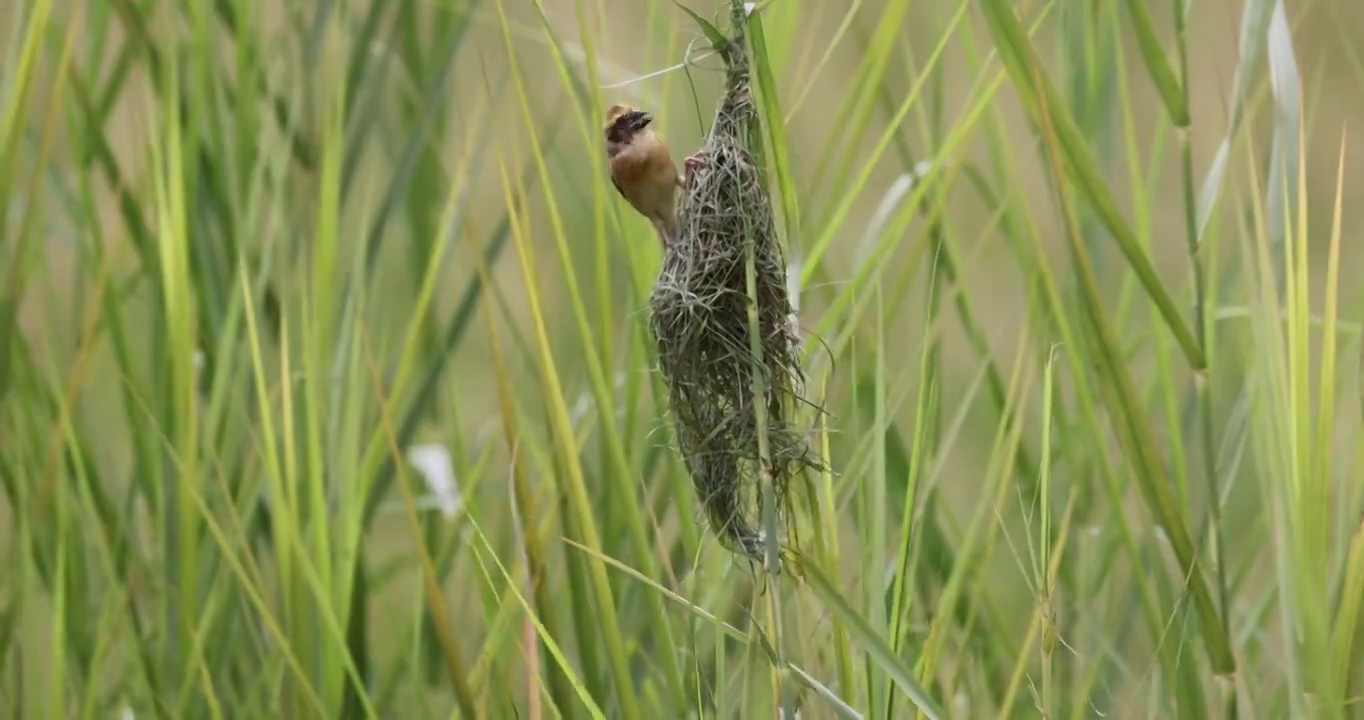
[{"x": 326, "y": 388}]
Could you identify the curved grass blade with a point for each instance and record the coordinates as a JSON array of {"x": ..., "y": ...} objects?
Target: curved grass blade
[{"x": 717, "y": 39}]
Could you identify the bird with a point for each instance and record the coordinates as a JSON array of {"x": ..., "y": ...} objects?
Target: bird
[{"x": 642, "y": 168}]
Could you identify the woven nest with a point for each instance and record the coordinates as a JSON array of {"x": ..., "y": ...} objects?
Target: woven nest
[{"x": 700, "y": 322}]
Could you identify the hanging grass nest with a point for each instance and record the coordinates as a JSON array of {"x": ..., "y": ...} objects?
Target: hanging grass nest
[{"x": 700, "y": 308}]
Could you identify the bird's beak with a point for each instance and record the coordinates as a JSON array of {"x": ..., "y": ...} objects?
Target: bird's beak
[{"x": 640, "y": 119}]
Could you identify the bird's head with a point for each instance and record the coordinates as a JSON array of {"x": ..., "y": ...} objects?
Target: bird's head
[{"x": 624, "y": 122}]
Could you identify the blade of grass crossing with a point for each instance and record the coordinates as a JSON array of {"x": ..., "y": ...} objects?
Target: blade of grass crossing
[
  {"x": 1087, "y": 86},
  {"x": 96, "y": 146},
  {"x": 247, "y": 580},
  {"x": 828, "y": 537},
  {"x": 33, "y": 205},
  {"x": 849, "y": 14},
  {"x": 946, "y": 260},
  {"x": 582, "y": 587},
  {"x": 592, "y": 90},
  {"x": 278, "y": 497},
  {"x": 873, "y": 526},
  {"x": 392, "y": 438},
  {"x": 452, "y": 340}
]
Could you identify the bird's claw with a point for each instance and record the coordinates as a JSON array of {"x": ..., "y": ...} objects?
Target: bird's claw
[{"x": 692, "y": 162}]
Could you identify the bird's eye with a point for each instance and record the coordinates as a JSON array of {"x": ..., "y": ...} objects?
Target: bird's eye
[{"x": 620, "y": 130}]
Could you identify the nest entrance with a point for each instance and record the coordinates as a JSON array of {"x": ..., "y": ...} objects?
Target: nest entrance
[{"x": 699, "y": 320}]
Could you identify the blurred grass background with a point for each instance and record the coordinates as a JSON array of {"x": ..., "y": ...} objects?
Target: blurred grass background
[{"x": 263, "y": 262}]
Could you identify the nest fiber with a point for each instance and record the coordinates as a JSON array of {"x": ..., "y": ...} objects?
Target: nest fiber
[{"x": 700, "y": 309}]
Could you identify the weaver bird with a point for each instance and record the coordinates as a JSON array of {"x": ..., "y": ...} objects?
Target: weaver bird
[{"x": 642, "y": 168}]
